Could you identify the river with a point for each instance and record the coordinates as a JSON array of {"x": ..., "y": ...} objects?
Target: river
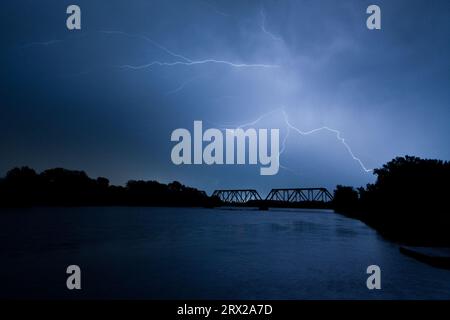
[{"x": 192, "y": 253}]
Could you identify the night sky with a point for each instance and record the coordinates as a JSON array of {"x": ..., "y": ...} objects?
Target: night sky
[{"x": 95, "y": 99}]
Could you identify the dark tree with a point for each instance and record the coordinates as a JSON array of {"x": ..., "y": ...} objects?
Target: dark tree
[
  {"x": 408, "y": 202},
  {"x": 345, "y": 199},
  {"x": 24, "y": 187}
]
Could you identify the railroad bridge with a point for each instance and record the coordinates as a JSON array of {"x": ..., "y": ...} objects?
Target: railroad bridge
[{"x": 293, "y": 195}]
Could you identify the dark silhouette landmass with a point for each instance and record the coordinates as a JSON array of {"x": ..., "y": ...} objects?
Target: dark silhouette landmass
[
  {"x": 408, "y": 203},
  {"x": 23, "y": 187}
]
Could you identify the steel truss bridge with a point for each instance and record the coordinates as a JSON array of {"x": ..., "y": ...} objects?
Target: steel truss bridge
[
  {"x": 237, "y": 196},
  {"x": 300, "y": 195},
  {"x": 295, "y": 195}
]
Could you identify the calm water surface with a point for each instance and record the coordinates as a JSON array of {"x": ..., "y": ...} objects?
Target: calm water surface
[{"x": 180, "y": 253}]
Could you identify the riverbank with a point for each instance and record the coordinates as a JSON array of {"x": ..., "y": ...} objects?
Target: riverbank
[
  {"x": 436, "y": 257},
  {"x": 406, "y": 232}
]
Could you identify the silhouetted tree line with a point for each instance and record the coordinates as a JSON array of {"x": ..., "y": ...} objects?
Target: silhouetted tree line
[
  {"x": 409, "y": 202},
  {"x": 61, "y": 187}
]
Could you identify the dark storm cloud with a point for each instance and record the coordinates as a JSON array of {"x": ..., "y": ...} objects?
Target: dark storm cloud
[{"x": 67, "y": 100}]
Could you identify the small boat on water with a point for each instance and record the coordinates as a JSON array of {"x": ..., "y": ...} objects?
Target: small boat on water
[{"x": 436, "y": 257}]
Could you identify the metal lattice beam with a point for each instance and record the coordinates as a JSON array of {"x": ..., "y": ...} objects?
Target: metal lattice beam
[
  {"x": 294, "y": 195},
  {"x": 237, "y": 196},
  {"x": 300, "y": 195}
]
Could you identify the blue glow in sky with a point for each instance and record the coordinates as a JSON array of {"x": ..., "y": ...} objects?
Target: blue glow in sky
[{"x": 105, "y": 99}]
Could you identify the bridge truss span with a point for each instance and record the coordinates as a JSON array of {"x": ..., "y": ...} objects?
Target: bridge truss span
[
  {"x": 300, "y": 195},
  {"x": 237, "y": 196}
]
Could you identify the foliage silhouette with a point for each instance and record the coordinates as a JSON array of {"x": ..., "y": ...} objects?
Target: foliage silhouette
[
  {"x": 62, "y": 187},
  {"x": 409, "y": 201}
]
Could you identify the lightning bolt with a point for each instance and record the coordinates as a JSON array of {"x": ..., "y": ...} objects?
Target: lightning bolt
[
  {"x": 182, "y": 86},
  {"x": 289, "y": 127},
  {"x": 283, "y": 144},
  {"x": 146, "y": 39},
  {"x": 181, "y": 60},
  {"x": 213, "y": 8},
  {"x": 263, "y": 27},
  {"x": 42, "y": 43},
  {"x": 48, "y": 43},
  {"x": 192, "y": 63},
  {"x": 338, "y": 137},
  {"x": 258, "y": 119}
]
